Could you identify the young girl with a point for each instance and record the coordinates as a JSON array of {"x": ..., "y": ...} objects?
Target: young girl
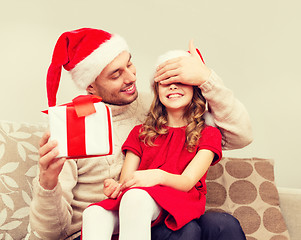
[{"x": 166, "y": 162}]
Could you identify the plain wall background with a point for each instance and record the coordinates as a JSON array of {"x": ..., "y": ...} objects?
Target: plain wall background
[{"x": 253, "y": 45}]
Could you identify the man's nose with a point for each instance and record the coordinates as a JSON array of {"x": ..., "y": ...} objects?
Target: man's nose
[{"x": 130, "y": 76}]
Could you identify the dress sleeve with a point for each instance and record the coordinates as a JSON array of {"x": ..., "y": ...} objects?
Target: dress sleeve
[
  {"x": 211, "y": 139},
  {"x": 133, "y": 142}
]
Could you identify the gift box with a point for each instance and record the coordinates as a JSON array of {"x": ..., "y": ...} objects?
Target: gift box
[{"x": 82, "y": 128}]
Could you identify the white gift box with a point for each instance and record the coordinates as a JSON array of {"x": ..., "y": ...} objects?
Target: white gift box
[{"x": 82, "y": 128}]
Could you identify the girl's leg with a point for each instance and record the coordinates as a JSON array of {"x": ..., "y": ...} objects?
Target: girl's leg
[
  {"x": 99, "y": 223},
  {"x": 136, "y": 212}
]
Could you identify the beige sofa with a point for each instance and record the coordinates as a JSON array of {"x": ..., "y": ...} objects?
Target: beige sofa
[{"x": 242, "y": 187}]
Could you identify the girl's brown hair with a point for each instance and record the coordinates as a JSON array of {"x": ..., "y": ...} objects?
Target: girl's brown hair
[{"x": 157, "y": 119}]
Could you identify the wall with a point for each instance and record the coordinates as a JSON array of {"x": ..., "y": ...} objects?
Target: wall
[{"x": 253, "y": 45}]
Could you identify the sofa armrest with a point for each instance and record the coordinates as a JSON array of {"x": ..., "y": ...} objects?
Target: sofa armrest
[{"x": 290, "y": 204}]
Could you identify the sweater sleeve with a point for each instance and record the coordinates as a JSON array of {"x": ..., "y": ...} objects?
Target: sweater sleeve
[
  {"x": 50, "y": 210},
  {"x": 229, "y": 114}
]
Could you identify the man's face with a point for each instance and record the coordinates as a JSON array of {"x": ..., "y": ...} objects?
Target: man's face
[{"x": 116, "y": 83}]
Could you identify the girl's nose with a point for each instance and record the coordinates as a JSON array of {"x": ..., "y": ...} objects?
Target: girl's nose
[{"x": 173, "y": 86}]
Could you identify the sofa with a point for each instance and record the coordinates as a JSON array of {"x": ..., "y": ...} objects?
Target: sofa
[{"x": 243, "y": 187}]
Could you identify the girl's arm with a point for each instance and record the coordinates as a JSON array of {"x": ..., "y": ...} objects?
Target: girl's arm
[
  {"x": 112, "y": 188},
  {"x": 130, "y": 165},
  {"x": 192, "y": 173},
  {"x": 184, "y": 182}
]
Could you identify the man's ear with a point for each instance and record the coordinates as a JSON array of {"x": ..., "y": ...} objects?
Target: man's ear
[{"x": 91, "y": 89}]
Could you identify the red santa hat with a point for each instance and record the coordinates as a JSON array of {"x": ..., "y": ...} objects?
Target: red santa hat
[{"x": 84, "y": 53}]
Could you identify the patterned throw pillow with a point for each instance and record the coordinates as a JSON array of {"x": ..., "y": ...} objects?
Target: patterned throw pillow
[
  {"x": 18, "y": 166},
  {"x": 245, "y": 188}
]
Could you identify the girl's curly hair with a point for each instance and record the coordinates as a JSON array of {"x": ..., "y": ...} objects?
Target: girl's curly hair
[{"x": 157, "y": 119}]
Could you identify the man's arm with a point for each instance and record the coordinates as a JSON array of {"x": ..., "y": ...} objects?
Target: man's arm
[
  {"x": 229, "y": 113},
  {"x": 50, "y": 210}
]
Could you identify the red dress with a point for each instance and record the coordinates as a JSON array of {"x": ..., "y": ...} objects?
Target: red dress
[{"x": 171, "y": 155}]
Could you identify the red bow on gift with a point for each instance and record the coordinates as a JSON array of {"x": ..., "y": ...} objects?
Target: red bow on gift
[{"x": 83, "y": 105}]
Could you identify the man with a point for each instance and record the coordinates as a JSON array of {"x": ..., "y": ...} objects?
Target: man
[{"x": 100, "y": 62}]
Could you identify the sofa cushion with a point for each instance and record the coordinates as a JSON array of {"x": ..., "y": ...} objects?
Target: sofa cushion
[
  {"x": 18, "y": 165},
  {"x": 246, "y": 189}
]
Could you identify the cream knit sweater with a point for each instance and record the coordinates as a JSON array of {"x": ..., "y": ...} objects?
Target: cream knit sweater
[{"x": 56, "y": 214}]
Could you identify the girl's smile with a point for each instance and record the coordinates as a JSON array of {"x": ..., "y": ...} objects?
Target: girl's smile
[{"x": 175, "y": 96}]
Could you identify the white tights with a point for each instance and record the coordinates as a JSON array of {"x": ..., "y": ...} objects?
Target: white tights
[{"x": 136, "y": 212}]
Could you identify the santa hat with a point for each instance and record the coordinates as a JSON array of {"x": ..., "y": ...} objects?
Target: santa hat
[
  {"x": 174, "y": 54},
  {"x": 171, "y": 55},
  {"x": 84, "y": 53}
]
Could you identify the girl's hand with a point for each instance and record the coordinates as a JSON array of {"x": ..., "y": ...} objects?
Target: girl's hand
[
  {"x": 143, "y": 178},
  {"x": 189, "y": 70},
  {"x": 111, "y": 188}
]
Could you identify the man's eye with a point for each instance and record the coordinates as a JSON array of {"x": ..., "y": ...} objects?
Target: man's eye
[{"x": 115, "y": 76}]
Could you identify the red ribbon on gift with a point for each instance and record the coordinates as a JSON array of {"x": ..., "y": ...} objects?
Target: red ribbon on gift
[
  {"x": 83, "y": 106},
  {"x": 76, "y": 111},
  {"x": 80, "y": 103}
]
